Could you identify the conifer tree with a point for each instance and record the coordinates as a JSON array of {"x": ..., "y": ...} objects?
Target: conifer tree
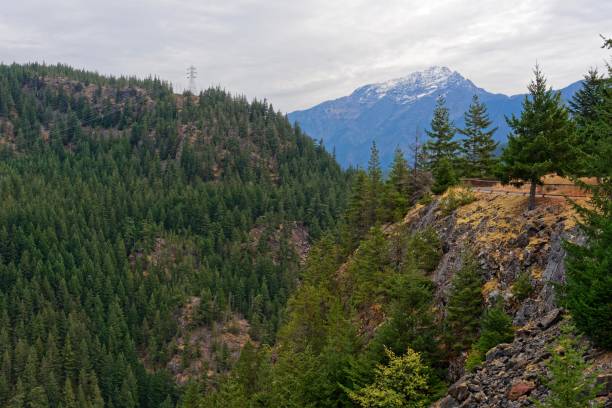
[
  {"x": 444, "y": 176},
  {"x": 37, "y": 398},
  {"x": 478, "y": 146},
  {"x": 375, "y": 187},
  {"x": 19, "y": 396},
  {"x": 540, "y": 140},
  {"x": 398, "y": 186},
  {"x": 588, "y": 291},
  {"x": 569, "y": 383},
  {"x": 357, "y": 222},
  {"x": 496, "y": 328},
  {"x": 69, "y": 398},
  {"x": 441, "y": 150},
  {"x": 464, "y": 307},
  {"x": 587, "y": 100}
]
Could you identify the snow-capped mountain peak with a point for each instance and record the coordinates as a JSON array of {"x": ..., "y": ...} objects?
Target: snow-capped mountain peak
[
  {"x": 391, "y": 112},
  {"x": 413, "y": 86}
]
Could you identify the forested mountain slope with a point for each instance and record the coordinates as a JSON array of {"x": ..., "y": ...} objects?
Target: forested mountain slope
[
  {"x": 454, "y": 300},
  {"x": 134, "y": 221},
  {"x": 462, "y": 273},
  {"x": 162, "y": 250}
]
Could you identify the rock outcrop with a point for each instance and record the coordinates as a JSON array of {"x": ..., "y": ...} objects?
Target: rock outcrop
[
  {"x": 509, "y": 242},
  {"x": 511, "y": 376}
]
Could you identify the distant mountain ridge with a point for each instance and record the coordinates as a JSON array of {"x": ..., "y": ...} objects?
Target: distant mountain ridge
[{"x": 390, "y": 112}]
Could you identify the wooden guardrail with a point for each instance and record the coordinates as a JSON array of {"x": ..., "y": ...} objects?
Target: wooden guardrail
[{"x": 559, "y": 189}]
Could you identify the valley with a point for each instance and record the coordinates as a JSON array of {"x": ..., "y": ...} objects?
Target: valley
[{"x": 191, "y": 250}]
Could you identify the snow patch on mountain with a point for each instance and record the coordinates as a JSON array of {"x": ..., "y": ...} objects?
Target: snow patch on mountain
[
  {"x": 389, "y": 112},
  {"x": 412, "y": 87}
]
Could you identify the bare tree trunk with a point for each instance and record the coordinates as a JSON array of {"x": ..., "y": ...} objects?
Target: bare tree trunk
[{"x": 532, "y": 197}]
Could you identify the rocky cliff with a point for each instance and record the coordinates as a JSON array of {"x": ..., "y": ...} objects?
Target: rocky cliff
[{"x": 510, "y": 244}]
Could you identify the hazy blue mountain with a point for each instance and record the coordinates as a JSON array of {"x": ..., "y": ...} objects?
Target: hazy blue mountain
[{"x": 390, "y": 113}]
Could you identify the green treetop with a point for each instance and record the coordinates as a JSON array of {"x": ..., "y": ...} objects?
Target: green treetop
[
  {"x": 399, "y": 188},
  {"x": 441, "y": 150},
  {"x": 478, "y": 146},
  {"x": 464, "y": 307},
  {"x": 403, "y": 382},
  {"x": 588, "y": 292},
  {"x": 585, "y": 102},
  {"x": 539, "y": 141}
]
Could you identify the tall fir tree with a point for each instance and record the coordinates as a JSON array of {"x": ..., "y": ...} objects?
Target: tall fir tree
[
  {"x": 441, "y": 150},
  {"x": 539, "y": 143},
  {"x": 464, "y": 307},
  {"x": 375, "y": 187},
  {"x": 398, "y": 186},
  {"x": 357, "y": 218},
  {"x": 586, "y": 101},
  {"x": 588, "y": 291},
  {"x": 478, "y": 147}
]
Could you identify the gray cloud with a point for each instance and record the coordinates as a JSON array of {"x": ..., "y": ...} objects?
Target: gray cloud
[{"x": 299, "y": 53}]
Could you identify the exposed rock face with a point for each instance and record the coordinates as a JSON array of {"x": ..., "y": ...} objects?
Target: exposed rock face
[
  {"x": 508, "y": 241},
  {"x": 511, "y": 375},
  {"x": 294, "y": 232},
  {"x": 200, "y": 350}
]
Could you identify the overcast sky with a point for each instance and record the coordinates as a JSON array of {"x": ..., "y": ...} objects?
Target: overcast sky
[{"x": 297, "y": 53}]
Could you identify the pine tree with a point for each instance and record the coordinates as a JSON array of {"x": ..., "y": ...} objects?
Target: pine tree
[
  {"x": 375, "y": 187},
  {"x": 357, "y": 222},
  {"x": 587, "y": 100},
  {"x": 191, "y": 396},
  {"x": 411, "y": 321},
  {"x": 588, "y": 111},
  {"x": 569, "y": 384},
  {"x": 588, "y": 291},
  {"x": 444, "y": 176},
  {"x": 496, "y": 328},
  {"x": 369, "y": 267},
  {"x": 19, "y": 396},
  {"x": 441, "y": 150},
  {"x": 398, "y": 187},
  {"x": 478, "y": 146},
  {"x": 464, "y": 307},
  {"x": 540, "y": 140},
  {"x": 69, "y": 400},
  {"x": 252, "y": 368}
]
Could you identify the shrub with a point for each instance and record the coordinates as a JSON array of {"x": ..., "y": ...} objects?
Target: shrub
[
  {"x": 521, "y": 289},
  {"x": 474, "y": 358},
  {"x": 567, "y": 382},
  {"x": 456, "y": 198},
  {"x": 424, "y": 248},
  {"x": 426, "y": 199},
  {"x": 403, "y": 382},
  {"x": 496, "y": 328}
]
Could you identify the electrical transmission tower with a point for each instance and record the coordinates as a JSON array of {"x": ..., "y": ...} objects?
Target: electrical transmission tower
[{"x": 192, "y": 74}]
